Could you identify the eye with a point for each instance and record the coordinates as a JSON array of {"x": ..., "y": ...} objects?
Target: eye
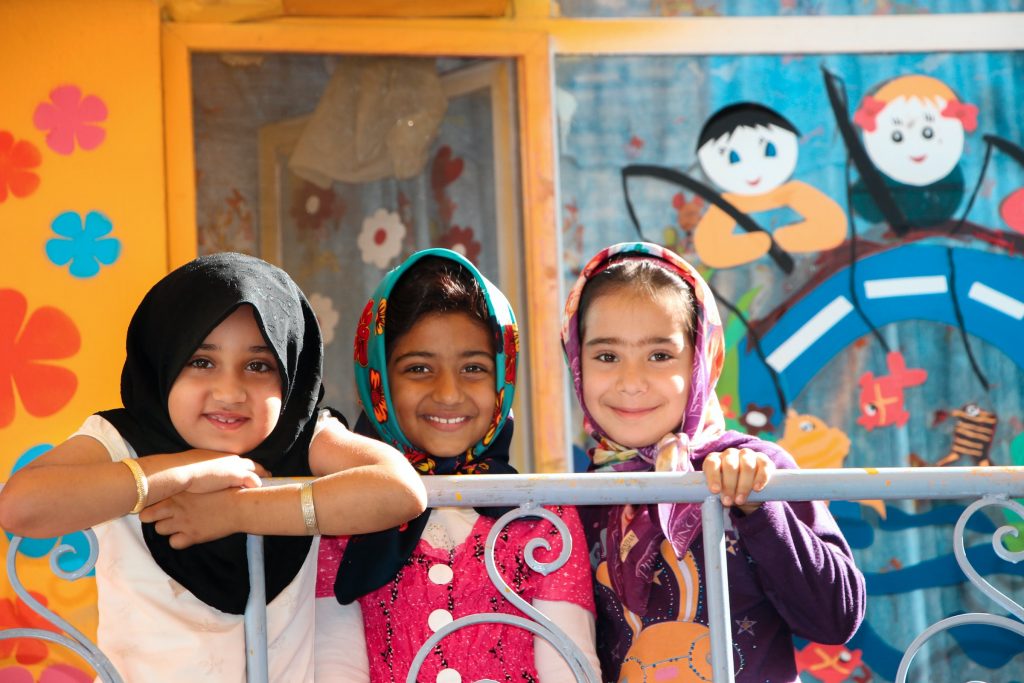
[
  {"x": 661, "y": 356},
  {"x": 769, "y": 150},
  {"x": 417, "y": 369},
  {"x": 734, "y": 157},
  {"x": 259, "y": 366},
  {"x": 927, "y": 133},
  {"x": 808, "y": 426},
  {"x": 870, "y": 409},
  {"x": 200, "y": 363},
  {"x": 476, "y": 368},
  {"x": 605, "y": 358},
  {"x": 897, "y": 136}
]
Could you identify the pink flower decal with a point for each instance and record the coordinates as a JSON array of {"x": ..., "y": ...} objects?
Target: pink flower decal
[
  {"x": 18, "y": 158},
  {"x": 69, "y": 117},
  {"x": 48, "y": 335}
]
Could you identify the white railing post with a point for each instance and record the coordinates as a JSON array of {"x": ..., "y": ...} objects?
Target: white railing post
[
  {"x": 717, "y": 585},
  {"x": 256, "y": 665}
]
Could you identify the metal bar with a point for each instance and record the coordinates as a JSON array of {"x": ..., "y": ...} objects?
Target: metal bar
[
  {"x": 897, "y": 483},
  {"x": 256, "y": 669},
  {"x": 717, "y": 593}
]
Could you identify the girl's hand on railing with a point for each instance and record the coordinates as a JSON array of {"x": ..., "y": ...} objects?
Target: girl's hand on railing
[
  {"x": 734, "y": 473},
  {"x": 210, "y": 471},
  {"x": 190, "y": 518}
]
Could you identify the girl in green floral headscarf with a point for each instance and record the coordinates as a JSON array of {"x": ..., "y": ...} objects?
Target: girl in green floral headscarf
[{"x": 435, "y": 361}]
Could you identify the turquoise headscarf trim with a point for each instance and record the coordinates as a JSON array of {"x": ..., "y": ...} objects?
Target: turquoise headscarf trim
[{"x": 371, "y": 355}]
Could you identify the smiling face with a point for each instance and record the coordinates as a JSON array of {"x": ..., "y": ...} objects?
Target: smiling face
[
  {"x": 637, "y": 365},
  {"x": 750, "y": 160},
  {"x": 913, "y": 143},
  {"x": 227, "y": 398},
  {"x": 442, "y": 383}
]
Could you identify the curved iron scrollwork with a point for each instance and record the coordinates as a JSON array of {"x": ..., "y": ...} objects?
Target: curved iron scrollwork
[
  {"x": 537, "y": 623},
  {"x": 71, "y": 638},
  {"x": 975, "y": 618}
]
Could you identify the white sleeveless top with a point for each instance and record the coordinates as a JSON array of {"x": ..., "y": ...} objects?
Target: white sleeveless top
[{"x": 153, "y": 629}]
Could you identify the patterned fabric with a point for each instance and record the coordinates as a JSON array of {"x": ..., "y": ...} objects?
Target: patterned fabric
[
  {"x": 372, "y": 559},
  {"x": 371, "y": 361},
  {"x": 638, "y": 532},
  {"x": 438, "y": 584}
]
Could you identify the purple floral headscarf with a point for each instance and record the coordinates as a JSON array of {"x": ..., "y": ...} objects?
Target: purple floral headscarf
[{"x": 635, "y": 532}]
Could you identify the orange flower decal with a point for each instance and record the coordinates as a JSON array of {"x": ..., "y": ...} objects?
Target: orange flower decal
[
  {"x": 363, "y": 334},
  {"x": 382, "y": 309},
  {"x": 380, "y": 405},
  {"x": 48, "y": 335},
  {"x": 26, "y": 651},
  {"x": 17, "y": 159}
]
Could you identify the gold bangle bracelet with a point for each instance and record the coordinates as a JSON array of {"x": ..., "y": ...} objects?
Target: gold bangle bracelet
[
  {"x": 141, "y": 485},
  {"x": 308, "y": 508}
]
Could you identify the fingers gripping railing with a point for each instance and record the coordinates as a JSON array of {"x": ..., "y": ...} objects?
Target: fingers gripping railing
[{"x": 994, "y": 486}]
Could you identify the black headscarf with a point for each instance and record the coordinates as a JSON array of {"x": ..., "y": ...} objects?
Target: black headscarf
[{"x": 175, "y": 316}]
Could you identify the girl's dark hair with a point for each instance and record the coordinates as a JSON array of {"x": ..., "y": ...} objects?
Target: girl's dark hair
[
  {"x": 432, "y": 285},
  {"x": 642, "y": 276},
  {"x": 741, "y": 115}
]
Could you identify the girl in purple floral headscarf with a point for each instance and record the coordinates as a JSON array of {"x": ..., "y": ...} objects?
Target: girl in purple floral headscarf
[{"x": 645, "y": 348}]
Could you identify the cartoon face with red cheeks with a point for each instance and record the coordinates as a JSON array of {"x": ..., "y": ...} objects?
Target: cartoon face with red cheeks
[
  {"x": 750, "y": 159},
  {"x": 914, "y": 129}
]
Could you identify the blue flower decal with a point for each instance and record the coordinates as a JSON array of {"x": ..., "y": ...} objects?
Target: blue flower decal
[
  {"x": 40, "y": 547},
  {"x": 80, "y": 243}
]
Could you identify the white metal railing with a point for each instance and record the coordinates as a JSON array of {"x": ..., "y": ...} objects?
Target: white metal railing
[{"x": 991, "y": 486}]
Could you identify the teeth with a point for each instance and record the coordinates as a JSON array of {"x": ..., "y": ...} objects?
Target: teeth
[
  {"x": 225, "y": 420},
  {"x": 446, "y": 421}
]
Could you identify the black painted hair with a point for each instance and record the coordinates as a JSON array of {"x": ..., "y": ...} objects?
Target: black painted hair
[{"x": 741, "y": 115}]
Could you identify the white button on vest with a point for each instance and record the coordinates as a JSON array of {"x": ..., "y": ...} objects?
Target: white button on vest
[
  {"x": 440, "y": 574},
  {"x": 438, "y": 619},
  {"x": 449, "y": 676}
]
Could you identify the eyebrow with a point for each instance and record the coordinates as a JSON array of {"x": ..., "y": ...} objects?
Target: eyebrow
[
  {"x": 252, "y": 349},
  {"x": 430, "y": 354},
  {"x": 618, "y": 341}
]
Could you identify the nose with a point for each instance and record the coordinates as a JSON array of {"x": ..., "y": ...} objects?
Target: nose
[
  {"x": 447, "y": 389},
  {"x": 228, "y": 388},
  {"x": 631, "y": 379}
]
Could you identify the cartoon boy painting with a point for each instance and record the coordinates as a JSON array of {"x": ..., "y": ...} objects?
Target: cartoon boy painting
[
  {"x": 750, "y": 152},
  {"x": 913, "y": 130}
]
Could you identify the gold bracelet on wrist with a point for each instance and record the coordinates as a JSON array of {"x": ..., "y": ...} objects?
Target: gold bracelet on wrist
[
  {"x": 141, "y": 485},
  {"x": 308, "y": 508}
]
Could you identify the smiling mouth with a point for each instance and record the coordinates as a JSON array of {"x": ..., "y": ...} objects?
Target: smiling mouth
[
  {"x": 632, "y": 413},
  {"x": 754, "y": 182},
  {"x": 447, "y": 424},
  {"x": 225, "y": 422},
  {"x": 919, "y": 159}
]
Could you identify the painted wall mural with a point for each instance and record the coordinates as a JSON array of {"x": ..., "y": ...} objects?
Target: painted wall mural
[
  {"x": 82, "y": 223},
  {"x": 858, "y": 218}
]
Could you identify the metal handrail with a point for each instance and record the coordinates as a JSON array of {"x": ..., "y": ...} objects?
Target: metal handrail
[{"x": 992, "y": 485}]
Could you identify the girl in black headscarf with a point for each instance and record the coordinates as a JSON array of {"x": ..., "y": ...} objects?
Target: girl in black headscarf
[{"x": 221, "y": 385}]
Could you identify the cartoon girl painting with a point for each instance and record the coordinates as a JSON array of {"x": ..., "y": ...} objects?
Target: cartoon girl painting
[{"x": 913, "y": 130}]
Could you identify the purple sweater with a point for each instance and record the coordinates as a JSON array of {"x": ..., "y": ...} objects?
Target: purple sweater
[{"x": 791, "y": 572}]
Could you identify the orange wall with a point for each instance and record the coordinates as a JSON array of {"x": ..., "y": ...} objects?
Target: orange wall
[{"x": 110, "y": 51}]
